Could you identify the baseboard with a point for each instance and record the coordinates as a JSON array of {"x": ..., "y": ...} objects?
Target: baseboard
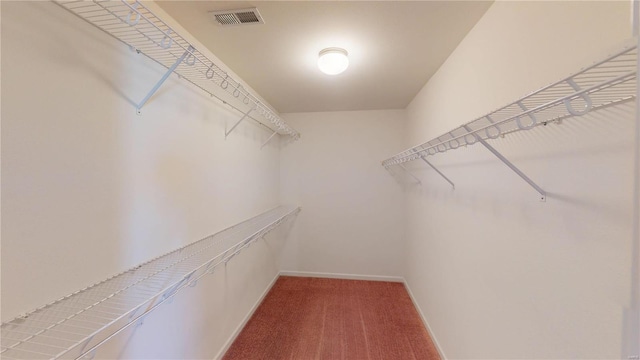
[
  {"x": 343, "y": 276},
  {"x": 239, "y": 328},
  {"x": 424, "y": 320}
]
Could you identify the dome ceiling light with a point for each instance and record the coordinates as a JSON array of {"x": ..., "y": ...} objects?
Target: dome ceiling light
[{"x": 333, "y": 61}]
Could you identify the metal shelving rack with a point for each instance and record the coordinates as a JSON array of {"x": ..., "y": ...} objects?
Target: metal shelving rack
[
  {"x": 76, "y": 325},
  {"x": 605, "y": 83},
  {"x": 138, "y": 27}
]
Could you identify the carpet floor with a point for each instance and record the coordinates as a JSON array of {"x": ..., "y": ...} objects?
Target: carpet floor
[{"x": 314, "y": 318}]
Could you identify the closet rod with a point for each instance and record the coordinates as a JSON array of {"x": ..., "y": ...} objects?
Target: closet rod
[
  {"x": 138, "y": 27},
  {"x": 605, "y": 82},
  {"x": 75, "y": 325}
]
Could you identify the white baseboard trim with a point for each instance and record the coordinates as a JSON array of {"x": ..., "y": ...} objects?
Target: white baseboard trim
[
  {"x": 240, "y": 326},
  {"x": 342, "y": 276},
  {"x": 424, "y": 320}
]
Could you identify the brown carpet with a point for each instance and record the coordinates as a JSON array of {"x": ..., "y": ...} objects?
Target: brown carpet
[{"x": 312, "y": 318}]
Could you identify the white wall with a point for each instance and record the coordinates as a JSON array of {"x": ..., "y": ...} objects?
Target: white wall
[
  {"x": 497, "y": 273},
  {"x": 351, "y": 221},
  {"x": 90, "y": 189}
]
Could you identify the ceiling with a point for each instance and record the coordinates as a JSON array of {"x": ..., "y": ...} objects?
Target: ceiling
[{"x": 394, "y": 47}]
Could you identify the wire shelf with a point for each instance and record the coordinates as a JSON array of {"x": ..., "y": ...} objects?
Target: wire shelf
[
  {"x": 603, "y": 84},
  {"x": 138, "y": 27},
  {"x": 77, "y": 324}
]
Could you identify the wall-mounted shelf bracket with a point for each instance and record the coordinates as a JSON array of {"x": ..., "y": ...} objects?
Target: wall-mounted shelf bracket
[
  {"x": 607, "y": 82},
  {"x": 269, "y": 139},
  {"x": 75, "y": 326},
  {"x": 543, "y": 194},
  {"x": 140, "y": 29},
  {"x": 438, "y": 171},
  {"x": 410, "y": 173},
  {"x": 238, "y": 122},
  {"x": 90, "y": 356},
  {"x": 187, "y": 54}
]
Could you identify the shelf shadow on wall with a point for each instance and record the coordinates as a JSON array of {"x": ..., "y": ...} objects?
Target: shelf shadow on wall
[
  {"x": 404, "y": 177},
  {"x": 69, "y": 55}
]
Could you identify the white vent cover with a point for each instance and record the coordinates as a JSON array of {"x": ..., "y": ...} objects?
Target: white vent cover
[{"x": 237, "y": 17}]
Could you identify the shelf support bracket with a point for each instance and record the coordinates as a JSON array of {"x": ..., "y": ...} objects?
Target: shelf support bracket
[
  {"x": 164, "y": 78},
  {"x": 543, "y": 194},
  {"x": 86, "y": 342},
  {"x": 238, "y": 123},
  {"x": 410, "y": 173},
  {"x": 90, "y": 355},
  {"x": 438, "y": 171},
  {"x": 269, "y": 139}
]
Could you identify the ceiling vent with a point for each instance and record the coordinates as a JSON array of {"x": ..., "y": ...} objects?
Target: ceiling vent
[{"x": 238, "y": 17}]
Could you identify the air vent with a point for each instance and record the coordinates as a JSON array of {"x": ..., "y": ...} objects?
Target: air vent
[{"x": 237, "y": 17}]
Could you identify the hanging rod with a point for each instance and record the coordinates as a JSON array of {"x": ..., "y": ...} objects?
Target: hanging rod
[
  {"x": 76, "y": 325},
  {"x": 605, "y": 83},
  {"x": 138, "y": 27}
]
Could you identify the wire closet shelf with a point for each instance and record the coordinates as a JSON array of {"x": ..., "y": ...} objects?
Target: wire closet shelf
[
  {"x": 76, "y": 325},
  {"x": 605, "y": 83},
  {"x": 138, "y": 27}
]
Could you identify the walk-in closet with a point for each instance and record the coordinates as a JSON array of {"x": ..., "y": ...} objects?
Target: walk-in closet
[{"x": 319, "y": 180}]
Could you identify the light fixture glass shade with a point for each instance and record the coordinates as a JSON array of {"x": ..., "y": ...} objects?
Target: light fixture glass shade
[{"x": 333, "y": 61}]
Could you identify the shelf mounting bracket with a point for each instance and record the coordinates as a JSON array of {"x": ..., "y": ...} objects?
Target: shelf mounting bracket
[
  {"x": 410, "y": 173},
  {"x": 543, "y": 194},
  {"x": 269, "y": 139},
  {"x": 164, "y": 78},
  {"x": 438, "y": 171},
  {"x": 238, "y": 122},
  {"x": 90, "y": 355}
]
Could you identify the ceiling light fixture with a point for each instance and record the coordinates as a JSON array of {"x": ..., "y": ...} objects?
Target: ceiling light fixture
[{"x": 333, "y": 61}]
